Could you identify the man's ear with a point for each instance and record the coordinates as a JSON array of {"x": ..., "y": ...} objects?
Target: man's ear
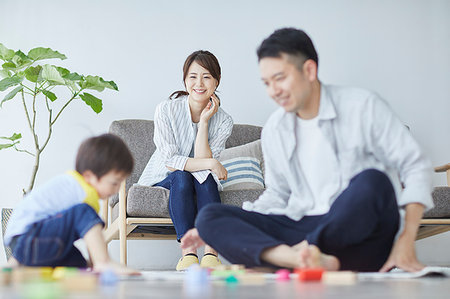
[{"x": 310, "y": 69}]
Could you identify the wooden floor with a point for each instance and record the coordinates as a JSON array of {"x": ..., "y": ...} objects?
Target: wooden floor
[{"x": 161, "y": 285}]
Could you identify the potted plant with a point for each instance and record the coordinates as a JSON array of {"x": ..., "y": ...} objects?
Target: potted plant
[{"x": 24, "y": 78}]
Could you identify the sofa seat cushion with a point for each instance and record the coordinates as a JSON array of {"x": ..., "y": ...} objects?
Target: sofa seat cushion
[
  {"x": 146, "y": 201},
  {"x": 441, "y": 199}
]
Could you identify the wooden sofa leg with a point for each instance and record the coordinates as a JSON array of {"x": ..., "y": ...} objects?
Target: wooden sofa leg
[
  {"x": 123, "y": 224},
  {"x": 123, "y": 245}
]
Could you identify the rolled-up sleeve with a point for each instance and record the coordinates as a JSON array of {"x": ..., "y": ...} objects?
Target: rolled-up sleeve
[
  {"x": 394, "y": 145},
  {"x": 277, "y": 193},
  {"x": 217, "y": 141},
  {"x": 164, "y": 139}
]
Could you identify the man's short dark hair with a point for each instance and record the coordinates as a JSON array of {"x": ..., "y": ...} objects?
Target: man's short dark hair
[
  {"x": 101, "y": 154},
  {"x": 291, "y": 41}
]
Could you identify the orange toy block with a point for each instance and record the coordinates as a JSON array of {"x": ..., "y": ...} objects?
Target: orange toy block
[{"x": 309, "y": 274}]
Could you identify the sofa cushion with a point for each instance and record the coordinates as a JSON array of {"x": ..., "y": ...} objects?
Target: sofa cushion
[
  {"x": 441, "y": 199},
  {"x": 245, "y": 166},
  {"x": 243, "y": 173},
  {"x": 144, "y": 201},
  {"x": 251, "y": 149}
]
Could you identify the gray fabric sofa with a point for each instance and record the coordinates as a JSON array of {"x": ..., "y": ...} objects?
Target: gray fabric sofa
[
  {"x": 145, "y": 201},
  {"x": 142, "y": 211},
  {"x": 140, "y": 206}
]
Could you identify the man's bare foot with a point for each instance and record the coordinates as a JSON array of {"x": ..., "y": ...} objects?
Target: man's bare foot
[
  {"x": 116, "y": 267},
  {"x": 310, "y": 256}
]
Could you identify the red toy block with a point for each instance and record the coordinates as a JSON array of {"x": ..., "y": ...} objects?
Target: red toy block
[{"x": 309, "y": 274}]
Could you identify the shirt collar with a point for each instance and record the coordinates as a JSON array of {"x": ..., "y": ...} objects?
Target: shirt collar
[{"x": 92, "y": 196}]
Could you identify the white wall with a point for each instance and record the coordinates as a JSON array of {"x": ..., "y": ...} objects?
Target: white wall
[{"x": 398, "y": 48}]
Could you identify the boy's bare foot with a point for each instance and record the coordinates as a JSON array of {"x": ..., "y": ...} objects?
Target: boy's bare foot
[
  {"x": 12, "y": 262},
  {"x": 310, "y": 256},
  {"x": 116, "y": 267}
]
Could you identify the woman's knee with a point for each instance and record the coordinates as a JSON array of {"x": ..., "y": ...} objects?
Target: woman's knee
[{"x": 182, "y": 180}]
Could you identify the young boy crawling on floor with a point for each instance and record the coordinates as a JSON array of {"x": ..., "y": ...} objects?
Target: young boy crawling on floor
[{"x": 44, "y": 226}]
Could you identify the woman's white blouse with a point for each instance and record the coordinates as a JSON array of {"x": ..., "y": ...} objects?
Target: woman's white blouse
[{"x": 174, "y": 137}]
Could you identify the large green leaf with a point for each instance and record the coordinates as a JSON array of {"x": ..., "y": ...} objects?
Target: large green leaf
[
  {"x": 50, "y": 73},
  {"x": 5, "y": 53},
  {"x": 8, "y": 82},
  {"x": 11, "y": 95},
  {"x": 9, "y": 66},
  {"x": 97, "y": 83},
  {"x": 62, "y": 71},
  {"x": 4, "y": 146},
  {"x": 95, "y": 103},
  {"x": 4, "y": 73},
  {"x": 14, "y": 137},
  {"x": 66, "y": 74},
  {"x": 52, "y": 97},
  {"x": 32, "y": 73},
  {"x": 73, "y": 77},
  {"x": 20, "y": 59},
  {"x": 44, "y": 53}
]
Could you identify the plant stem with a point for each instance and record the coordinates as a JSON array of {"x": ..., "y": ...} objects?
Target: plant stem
[
  {"x": 23, "y": 151},
  {"x": 36, "y": 144},
  {"x": 34, "y": 109},
  {"x": 35, "y": 169},
  {"x": 65, "y": 105},
  {"x": 50, "y": 124}
]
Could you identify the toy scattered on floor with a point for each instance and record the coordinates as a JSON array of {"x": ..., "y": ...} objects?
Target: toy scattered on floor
[
  {"x": 5, "y": 276},
  {"x": 312, "y": 274},
  {"x": 41, "y": 290},
  {"x": 27, "y": 274},
  {"x": 63, "y": 272},
  {"x": 339, "y": 277},
  {"x": 252, "y": 279},
  {"x": 196, "y": 275},
  {"x": 231, "y": 280},
  {"x": 109, "y": 278},
  {"x": 83, "y": 282},
  {"x": 40, "y": 278},
  {"x": 283, "y": 275},
  {"x": 225, "y": 271}
]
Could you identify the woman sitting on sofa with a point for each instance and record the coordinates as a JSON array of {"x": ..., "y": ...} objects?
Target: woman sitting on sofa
[{"x": 190, "y": 134}]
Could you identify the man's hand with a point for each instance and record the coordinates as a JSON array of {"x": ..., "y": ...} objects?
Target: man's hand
[
  {"x": 191, "y": 240},
  {"x": 403, "y": 256}
]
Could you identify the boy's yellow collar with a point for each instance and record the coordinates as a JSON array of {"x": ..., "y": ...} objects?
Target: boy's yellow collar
[{"x": 92, "y": 196}]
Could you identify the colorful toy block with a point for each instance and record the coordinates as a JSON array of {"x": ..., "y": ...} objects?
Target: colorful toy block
[{"x": 309, "y": 274}]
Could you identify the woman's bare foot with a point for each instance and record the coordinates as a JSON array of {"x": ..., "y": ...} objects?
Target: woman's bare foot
[
  {"x": 310, "y": 256},
  {"x": 116, "y": 267}
]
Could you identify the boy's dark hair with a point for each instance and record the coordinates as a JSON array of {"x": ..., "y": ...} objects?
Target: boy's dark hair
[
  {"x": 294, "y": 42},
  {"x": 101, "y": 154}
]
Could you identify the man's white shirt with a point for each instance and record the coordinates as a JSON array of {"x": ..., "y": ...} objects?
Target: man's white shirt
[
  {"x": 317, "y": 158},
  {"x": 363, "y": 133}
]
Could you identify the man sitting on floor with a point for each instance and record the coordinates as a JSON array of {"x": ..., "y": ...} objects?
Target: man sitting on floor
[{"x": 329, "y": 200}]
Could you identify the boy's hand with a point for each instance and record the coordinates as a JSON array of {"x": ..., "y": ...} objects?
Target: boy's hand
[{"x": 191, "y": 240}]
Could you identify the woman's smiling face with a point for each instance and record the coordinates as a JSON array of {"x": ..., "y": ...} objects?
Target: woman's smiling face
[{"x": 200, "y": 84}]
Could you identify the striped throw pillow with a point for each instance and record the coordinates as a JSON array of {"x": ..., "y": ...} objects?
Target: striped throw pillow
[{"x": 243, "y": 173}]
